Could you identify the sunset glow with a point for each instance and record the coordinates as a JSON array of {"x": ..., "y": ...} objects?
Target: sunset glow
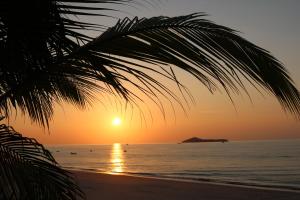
[
  {"x": 116, "y": 121},
  {"x": 116, "y": 159}
]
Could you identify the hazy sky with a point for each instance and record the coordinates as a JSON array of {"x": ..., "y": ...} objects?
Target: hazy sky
[{"x": 271, "y": 24}]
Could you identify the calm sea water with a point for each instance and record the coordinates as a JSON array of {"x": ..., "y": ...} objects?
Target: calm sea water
[{"x": 262, "y": 163}]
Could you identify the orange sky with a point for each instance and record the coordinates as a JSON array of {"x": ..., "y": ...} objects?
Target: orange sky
[{"x": 213, "y": 116}]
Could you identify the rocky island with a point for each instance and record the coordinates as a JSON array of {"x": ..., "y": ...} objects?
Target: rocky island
[{"x": 195, "y": 139}]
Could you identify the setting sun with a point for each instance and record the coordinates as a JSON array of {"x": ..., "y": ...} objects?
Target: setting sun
[{"x": 116, "y": 121}]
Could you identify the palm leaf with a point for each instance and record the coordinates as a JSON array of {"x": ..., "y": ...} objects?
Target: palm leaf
[
  {"x": 56, "y": 67},
  {"x": 31, "y": 44},
  {"x": 214, "y": 54},
  {"x": 28, "y": 170}
]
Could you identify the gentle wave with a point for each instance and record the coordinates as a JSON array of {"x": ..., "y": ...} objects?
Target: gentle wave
[{"x": 272, "y": 164}]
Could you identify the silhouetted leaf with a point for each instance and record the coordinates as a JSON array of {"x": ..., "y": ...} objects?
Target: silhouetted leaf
[
  {"x": 214, "y": 54},
  {"x": 28, "y": 170}
]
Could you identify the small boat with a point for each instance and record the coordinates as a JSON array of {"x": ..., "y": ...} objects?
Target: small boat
[
  {"x": 73, "y": 153},
  {"x": 125, "y": 150}
]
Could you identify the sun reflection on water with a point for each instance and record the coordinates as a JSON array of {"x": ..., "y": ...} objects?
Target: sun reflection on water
[{"x": 117, "y": 161}]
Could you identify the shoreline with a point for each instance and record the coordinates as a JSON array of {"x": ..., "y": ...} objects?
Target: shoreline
[
  {"x": 108, "y": 186},
  {"x": 194, "y": 180}
]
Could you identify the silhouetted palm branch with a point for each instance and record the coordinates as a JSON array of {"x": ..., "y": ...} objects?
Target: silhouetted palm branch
[
  {"x": 65, "y": 70},
  {"x": 34, "y": 36},
  {"x": 214, "y": 54},
  {"x": 28, "y": 171}
]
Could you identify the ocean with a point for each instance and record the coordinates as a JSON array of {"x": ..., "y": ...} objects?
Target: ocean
[{"x": 273, "y": 164}]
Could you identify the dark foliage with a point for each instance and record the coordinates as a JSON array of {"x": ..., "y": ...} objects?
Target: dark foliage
[{"x": 28, "y": 170}]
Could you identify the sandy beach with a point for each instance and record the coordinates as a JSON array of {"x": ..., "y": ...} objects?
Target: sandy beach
[{"x": 115, "y": 187}]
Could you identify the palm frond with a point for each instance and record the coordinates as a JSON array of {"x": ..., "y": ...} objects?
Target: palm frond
[
  {"x": 35, "y": 93},
  {"x": 28, "y": 170},
  {"x": 31, "y": 47},
  {"x": 214, "y": 54},
  {"x": 34, "y": 37},
  {"x": 46, "y": 62}
]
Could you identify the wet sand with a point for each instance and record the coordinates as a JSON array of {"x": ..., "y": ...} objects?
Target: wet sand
[{"x": 99, "y": 186}]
